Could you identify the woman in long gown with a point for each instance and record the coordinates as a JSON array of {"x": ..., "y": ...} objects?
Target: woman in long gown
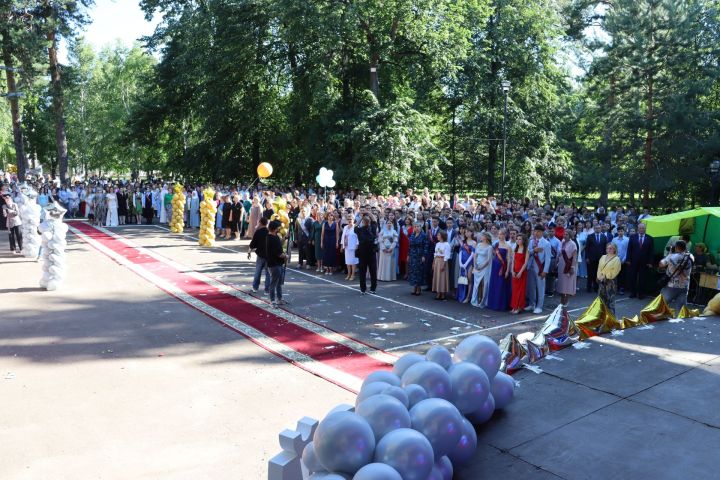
[
  {"x": 111, "y": 217},
  {"x": 100, "y": 207},
  {"x": 519, "y": 275},
  {"x": 138, "y": 206},
  {"x": 194, "y": 210},
  {"x": 329, "y": 243},
  {"x": 502, "y": 264},
  {"x": 349, "y": 244},
  {"x": 466, "y": 256},
  {"x": 317, "y": 240},
  {"x": 122, "y": 202},
  {"x": 481, "y": 271},
  {"x": 417, "y": 249},
  {"x": 388, "y": 240},
  {"x": 567, "y": 268},
  {"x": 406, "y": 231},
  {"x": 255, "y": 214},
  {"x": 581, "y": 238},
  {"x": 163, "y": 212},
  {"x": 442, "y": 255}
]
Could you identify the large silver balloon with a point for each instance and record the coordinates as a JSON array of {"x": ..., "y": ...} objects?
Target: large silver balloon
[
  {"x": 344, "y": 442},
  {"x": 404, "y": 362},
  {"x": 384, "y": 414},
  {"x": 465, "y": 449},
  {"x": 408, "y": 452},
  {"x": 512, "y": 352},
  {"x": 431, "y": 376},
  {"x": 537, "y": 347},
  {"x": 439, "y": 355},
  {"x": 382, "y": 376},
  {"x": 503, "y": 390},
  {"x": 559, "y": 330},
  {"x": 442, "y": 470},
  {"x": 480, "y": 350},
  {"x": 377, "y": 471},
  {"x": 371, "y": 389},
  {"x": 415, "y": 394},
  {"x": 328, "y": 476},
  {"x": 398, "y": 393},
  {"x": 470, "y": 386},
  {"x": 484, "y": 413},
  {"x": 440, "y": 422},
  {"x": 310, "y": 460}
]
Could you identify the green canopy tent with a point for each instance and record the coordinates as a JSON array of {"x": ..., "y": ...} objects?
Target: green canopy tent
[{"x": 701, "y": 224}]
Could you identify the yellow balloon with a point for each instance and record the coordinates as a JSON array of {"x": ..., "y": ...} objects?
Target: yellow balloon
[
  {"x": 279, "y": 203},
  {"x": 264, "y": 170}
]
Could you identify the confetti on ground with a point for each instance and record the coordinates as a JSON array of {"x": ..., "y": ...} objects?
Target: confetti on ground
[
  {"x": 646, "y": 327},
  {"x": 617, "y": 333},
  {"x": 381, "y": 318},
  {"x": 339, "y": 311},
  {"x": 581, "y": 345},
  {"x": 533, "y": 368},
  {"x": 427, "y": 324},
  {"x": 329, "y": 347},
  {"x": 358, "y": 316},
  {"x": 384, "y": 311},
  {"x": 9, "y": 376},
  {"x": 676, "y": 320},
  {"x": 554, "y": 357},
  {"x": 455, "y": 329}
]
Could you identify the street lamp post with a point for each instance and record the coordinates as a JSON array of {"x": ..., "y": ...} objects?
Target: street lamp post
[
  {"x": 506, "y": 89},
  {"x": 715, "y": 182}
]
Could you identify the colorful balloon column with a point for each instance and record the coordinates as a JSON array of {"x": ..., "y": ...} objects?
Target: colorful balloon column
[
  {"x": 177, "y": 222},
  {"x": 53, "y": 232},
  {"x": 208, "y": 209}
]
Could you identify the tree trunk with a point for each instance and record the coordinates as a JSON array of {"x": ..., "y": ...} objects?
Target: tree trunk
[
  {"x": 14, "y": 108},
  {"x": 607, "y": 158},
  {"x": 374, "y": 80},
  {"x": 58, "y": 107},
  {"x": 648, "y": 143}
]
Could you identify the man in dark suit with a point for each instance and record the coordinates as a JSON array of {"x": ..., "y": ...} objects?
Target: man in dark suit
[
  {"x": 594, "y": 250},
  {"x": 639, "y": 259}
]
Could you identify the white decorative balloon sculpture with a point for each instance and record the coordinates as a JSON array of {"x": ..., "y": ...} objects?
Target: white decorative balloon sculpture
[
  {"x": 53, "y": 232},
  {"x": 414, "y": 423},
  {"x": 325, "y": 178},
  {"x": 30, "y": 215}
]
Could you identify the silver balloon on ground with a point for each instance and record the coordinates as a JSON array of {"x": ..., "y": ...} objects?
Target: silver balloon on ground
[
  {"x": 398, "y": 393},
  {"x": 415, "y": 394},
  {"x": 442, "y": 470},
  {"x": 344, "y": 442},
  {"x": 439, "y": 355},
  {"x": 470, "y": 386},
  {"x": 480, "y": 350},
  {"x": 371, "y": 389},
  {"x": 377, "y": 471},
  {"x": 466, "y": 446},
  {"x": 559, "y": 330},
  {"x": 512, "y": 352},
  {"x": 536, "y": 347},
  {"x": 440, "y": 422},
  {"x": 382, "y": 376},
  {"x": 503, "y": 390},
  {"x": 310, "y": 460},
  {"x": 405, "y": 362},
  {"x": 431, "y": 376},
  {"x": 484, "y": 413},
  {"x": 384, "y": 414},
  {"x": 407, "y": 451}
]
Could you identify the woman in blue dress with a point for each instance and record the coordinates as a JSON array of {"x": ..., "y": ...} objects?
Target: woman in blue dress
[
  {"x": 330, "y": 243},
  {"x": 500, "y": 282},
  {"x": 466, "y": 257},
  {"x": 416, "y": 257}
]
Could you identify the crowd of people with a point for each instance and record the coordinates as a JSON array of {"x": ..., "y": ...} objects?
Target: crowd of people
[{"x": 504, "y": 256}]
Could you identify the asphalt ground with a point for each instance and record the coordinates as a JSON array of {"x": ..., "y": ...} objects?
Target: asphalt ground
[{"x": 113, "y": 378}]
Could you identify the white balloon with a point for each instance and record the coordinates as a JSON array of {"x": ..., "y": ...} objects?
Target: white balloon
[
  {"x": 323, "y": 171},
  {"x": 330, "y": 183}
]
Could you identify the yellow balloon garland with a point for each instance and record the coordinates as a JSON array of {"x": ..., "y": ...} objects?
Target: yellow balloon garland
[
  {"x": 208, "y": 210},
  {"x": 177, "y": 222}
]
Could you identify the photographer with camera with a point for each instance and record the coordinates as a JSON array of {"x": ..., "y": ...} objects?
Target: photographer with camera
[{"x": 678, "y": 265}]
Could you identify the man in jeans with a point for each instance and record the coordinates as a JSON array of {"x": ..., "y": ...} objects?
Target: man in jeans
[
  {"x": 258, "y": 244},
  {"x": 275, "y": 262},
  {"x": 679, "y": 268}
]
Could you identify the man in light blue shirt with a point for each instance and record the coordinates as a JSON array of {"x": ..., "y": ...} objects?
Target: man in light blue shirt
[
  {"x": 540, "y": 256},
  {"x": 621, "y": 243}
]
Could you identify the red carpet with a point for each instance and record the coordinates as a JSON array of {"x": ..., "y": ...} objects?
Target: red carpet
[{"x": 313, "y": 346}]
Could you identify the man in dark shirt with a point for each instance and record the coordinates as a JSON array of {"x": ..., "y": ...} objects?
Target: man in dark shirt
[
  {"x": 275, "y": 262},
  {"x": 259, "y": 245},
  {"x": 367, "y": 234}
]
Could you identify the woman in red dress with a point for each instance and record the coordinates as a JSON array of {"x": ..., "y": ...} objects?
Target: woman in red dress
[
  {"x": 519, "y": 275},
  {"x": 405, "y": 231}
]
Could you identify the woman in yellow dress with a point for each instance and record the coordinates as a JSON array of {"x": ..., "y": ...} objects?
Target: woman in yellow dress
[{"x": 608, "y": 270}]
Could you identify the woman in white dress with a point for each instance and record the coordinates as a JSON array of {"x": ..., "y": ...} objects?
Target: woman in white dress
[
  {"x": 349, "y": 244},
  {"x": 387, "y": 272},
  {"x": 481, "y": 271},
  {"x": 111, "y": 219}
]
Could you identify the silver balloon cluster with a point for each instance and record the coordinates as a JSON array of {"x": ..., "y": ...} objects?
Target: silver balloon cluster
[
  {"x": 416, "y": 422},
  {"x": 53, "y": 232},
  {"x": 558, "y": 332},
  {"x": 30, "y": 216}
]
